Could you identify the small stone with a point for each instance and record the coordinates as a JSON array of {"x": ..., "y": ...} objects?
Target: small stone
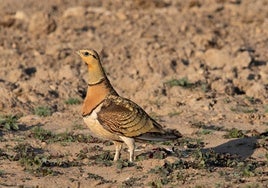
[
  {"x": 7, "y": 21},
  {"x": 121, "y": 16},
  {"x": 43, "y": 144},
  {"x": 242, "y": 60},
  {"x": 206, "y": 107},
  {"x": 218, "y": 85},
  {"x": 257, "y": 90},
  {"x": 217, "y": 58},
  {"x": 22, "y": 99},
  {"x": 41, "y": 24},
  {"x": 74, "y": 12},
  {"x": 20, "y": 15}
]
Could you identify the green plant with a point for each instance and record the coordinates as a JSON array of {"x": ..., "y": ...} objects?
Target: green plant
[
  {"x": 156, "y": 183},
  {"x": 252, "y": 100},
  {"x": 266, "y": 108},
  {"x": 41, "y": 134},
  {"x": 2, "y": 172},
  {"x": 120, "y": 164},
  {"x": 253, "y": 185},
  {"x": 103, "y": 159},
  {"x": 49, "y": 137},
  {"x": 72, "y": 101},
  {"x": 204, "y": 132},
  {"x": 42, "y": 111},
  {"x": 167, "y": 171},
  {"x": 247, "y": 169},
  {"x": 132, "y": 182},
  {"x": 9, "y": 122},
  {"x": 198, "y": 124},
  {"x": 183, "y": 82},
  {"x": 97, "y": 177},
  {"x": 191, "y": 143},
  {"x": 175, "y": 113},
  {"x": 234, "y": 133},
  {"x": 205, "y": 87},
  {"x": 77, "y": 126},
  {"x": 31, "y": 160},
  {"x": 243, "y": 109},
  {"x": 227, "y": 100}
]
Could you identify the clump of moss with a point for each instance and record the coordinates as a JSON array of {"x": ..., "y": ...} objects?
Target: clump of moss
[
  {"x": 103, "y": 159},
  {"x": 98, "y": 177},
  {"x": 234, "y": 133},
  {"x": 9, "y": 122},
  {"x": 43, "y": 111},
  {"x": 182, "y": 82},
  {"x": 72, "y": 101}
]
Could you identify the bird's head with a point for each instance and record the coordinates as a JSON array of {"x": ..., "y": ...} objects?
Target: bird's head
[{"x": 91, "y": 58}]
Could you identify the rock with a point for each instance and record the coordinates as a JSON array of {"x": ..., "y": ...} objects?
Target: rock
[
  {"x": 194, "y": 74},
  {"x": 121, "y": 15},
  {"x": 74, "y": 12},
  {"x": 218, "y": 86},
  {"x": 7, "y": 21},
  {"x": 241, "y": 84},
  {"x": 264, "y": 74},
  {"x": 6, "y": 99},
  {"x": 242, "y": 60},
  {"x": 20, "y": 15},
  {"x": 257, "y": 90},
  {"x": 217, "y": 58},
  {"x": 41, "y": 24}
]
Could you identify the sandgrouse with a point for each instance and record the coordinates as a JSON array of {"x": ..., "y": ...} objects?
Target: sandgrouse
[{"x": 113, "y": 117}]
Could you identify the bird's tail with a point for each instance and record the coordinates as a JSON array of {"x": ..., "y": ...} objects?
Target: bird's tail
[{"x": 169, "y": 134}]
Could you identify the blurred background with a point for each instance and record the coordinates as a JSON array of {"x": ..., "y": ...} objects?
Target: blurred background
[{"x": 218, "y": 44}]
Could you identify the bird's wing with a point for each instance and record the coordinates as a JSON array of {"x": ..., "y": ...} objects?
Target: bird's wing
[{"x": 123, "y": 117}]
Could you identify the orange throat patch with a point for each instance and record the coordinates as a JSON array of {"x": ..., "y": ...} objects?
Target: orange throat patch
[{"x": 95, "y": 95}]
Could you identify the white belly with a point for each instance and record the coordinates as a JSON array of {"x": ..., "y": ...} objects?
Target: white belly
[{"x": 96, "y": 128}]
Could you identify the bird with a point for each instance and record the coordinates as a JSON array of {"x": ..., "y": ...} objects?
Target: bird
[{"x": 112, "y": 117}]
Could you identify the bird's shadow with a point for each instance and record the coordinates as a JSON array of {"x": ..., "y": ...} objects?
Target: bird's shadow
[{"x": 242, "y": 147}]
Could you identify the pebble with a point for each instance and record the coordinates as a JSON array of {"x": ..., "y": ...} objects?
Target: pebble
[
  {"x": 20, "y": 15},
  {"x": 74, "y": 12},
  {"x": 41, "y": 24},
  {"x": 7, "y": 21},
  {"x": 257, "y": 90},
  {"x": 242, "y": 60},
  {"x": 215, "y": 58}
]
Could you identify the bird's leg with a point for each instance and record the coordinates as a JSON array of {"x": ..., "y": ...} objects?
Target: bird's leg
[
  {"x": 118, "y": 147},
  {"x": 130, "y": 142}
]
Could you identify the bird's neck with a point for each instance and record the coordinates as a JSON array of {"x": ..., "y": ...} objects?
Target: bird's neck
[
  {"x": 96, "y": 75},
  {"x": 96, "y": 94}
]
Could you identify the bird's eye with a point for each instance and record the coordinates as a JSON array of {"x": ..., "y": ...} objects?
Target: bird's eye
[{"x": 86, "y": 54}]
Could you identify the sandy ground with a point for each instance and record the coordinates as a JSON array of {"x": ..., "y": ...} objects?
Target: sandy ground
[{"x": 198, "y": 66}]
